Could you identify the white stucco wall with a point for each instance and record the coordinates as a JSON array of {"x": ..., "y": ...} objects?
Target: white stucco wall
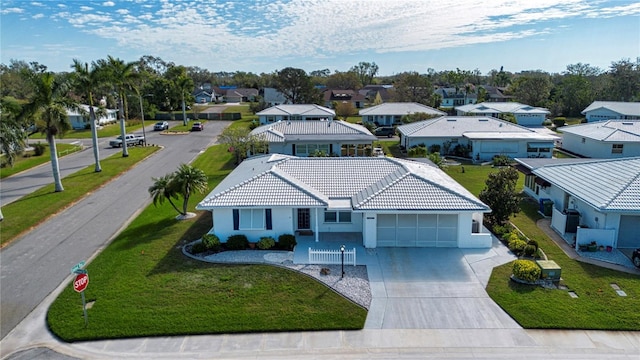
[
  {"x": 601, "y": 114},
  {"x": 531, "y": 120},
  {"x": 282, "y": 221},
  {"x": 597, "y": 149},
  {"x": 467, "y": 239}
]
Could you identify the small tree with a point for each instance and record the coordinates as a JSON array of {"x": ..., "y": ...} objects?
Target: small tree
[
  {"x": 501, "y": 196},
  {"x": 183, "y": 182},
  {"x": 242, "y": 143}
]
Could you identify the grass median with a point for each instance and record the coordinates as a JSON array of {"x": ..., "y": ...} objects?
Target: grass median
[
  {"x": 598, "y": 306},
  {"x": 29, "y": 160},
  {"x": 142, "y": 285},
  {"x": 35, "y": 208}
]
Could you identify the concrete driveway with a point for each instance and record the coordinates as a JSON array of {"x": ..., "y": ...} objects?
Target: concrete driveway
[{"x": 435, "y": 288}]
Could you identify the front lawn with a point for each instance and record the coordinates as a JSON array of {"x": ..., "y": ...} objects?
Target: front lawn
[
  {"x": 597, "y": 306},
  {"x": 19, "y": 216},
  {"x": 28, "y": 160},
  {"x": 111, "y": 130},
  {"x": 142, "y": 285}
]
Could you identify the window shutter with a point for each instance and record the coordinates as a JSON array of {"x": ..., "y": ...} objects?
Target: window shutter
[
  {"x": 236, "y": 219},
  {"x": 293, "y": 149},
  {"x": 267, "y": 213}
]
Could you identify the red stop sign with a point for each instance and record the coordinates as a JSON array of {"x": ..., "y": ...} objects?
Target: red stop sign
[{"x": 80, "y": 283}]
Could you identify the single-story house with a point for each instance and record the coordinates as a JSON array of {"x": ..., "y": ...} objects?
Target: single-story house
[
  {"x": 525, "y": 115},
  {"x": 240, "y": 95},
  {"x": 496, "y": 93},
  {"x": 604, "y": 139},
  {"x": 341, "y": 96},
  {"x": 203, "y": 96},
  {"x": 305, "y": 138},
  {"x": 381, "y": 92},
  {"x": 80, "y": 119},
  {"x": 606, "y": 110},
  {"x": 592, "y": 199},
  {"x": 483, "y": 137},
  {"x": 391, "y": 113},
  {"x": 389, "y": 202},
  {"x": 294, "y": 112},
  {"x": 452, "y": 97}
]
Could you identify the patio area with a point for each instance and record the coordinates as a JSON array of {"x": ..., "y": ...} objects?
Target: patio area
[{"x": 331, "y": 241}]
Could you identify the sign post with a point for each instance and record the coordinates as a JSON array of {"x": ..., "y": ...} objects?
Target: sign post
[{"x": 80, "y": 283}]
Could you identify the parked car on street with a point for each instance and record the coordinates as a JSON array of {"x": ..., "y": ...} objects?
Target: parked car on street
[
  {"x": 130, "y": 138},
  {"x": 197, "y": 126},
  {"x": 388, "y": 131},
  {"x": 161, "y": 126},
  {"x": 636, "y": 257}
]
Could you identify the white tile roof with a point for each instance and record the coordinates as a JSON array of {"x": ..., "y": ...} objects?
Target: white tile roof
[
  {"x": 311, "y": 130},
  {"x": 367, "y": 183},
  {"x": 611, "y": 185},
  {"x": 400, "y": 109},
  {"x": 473, "y": 127},
  {"x": 607, "y": 131},
  {"x": 298, "y": 109},
  {"x": 622, "y": 108},
  {"x": 501, "y": 107}
]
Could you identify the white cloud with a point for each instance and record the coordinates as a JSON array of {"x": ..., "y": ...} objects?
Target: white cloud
[
  {"x": 122, "y": 11},
  {"x": 108, "y": 3},
  {"x": 38, "y": 16},
  {"x": 13, "y": 10},
  {"x": 85, "y": 8},
  {"x": 35, "y": 3}
]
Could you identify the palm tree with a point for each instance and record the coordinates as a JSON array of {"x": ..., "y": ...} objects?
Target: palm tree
[
  {"x": 48, "y": 106},
  {"x": 184, "y": 181},
  {"x": 185, "y": 85},
  {"x": 12, "y": 135},
  {"x": 86, "y": 81},
  {"x": 188, "y": 179},
  {"x": 120, "y": 75}
]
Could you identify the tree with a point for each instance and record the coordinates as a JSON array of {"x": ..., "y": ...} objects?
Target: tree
[
  {"x": 365, "y": 71},
  {"x": 343, "y": 80},
  {"x": 413, "y": 87},
  {"x": 344, "y": 109},
  {"x": 181, "y": 88},
  {"x": 48, "y": 106},
  {"x": 241, "y": 142},
  {"x": 625, "y": 80},
  {"x": 533, "y": 88},
  {"x": 121, "y": 75},
  {"x": 86, "y": 80},
  {"x": 181, "y": 183},
  {"x": 296, "y": 86},
  {"x": 500, "y": 195},
  {"x": 12, "y": 134}
]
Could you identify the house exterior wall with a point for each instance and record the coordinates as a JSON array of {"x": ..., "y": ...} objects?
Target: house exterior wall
[
  {"x": 335, "y": 147},
  {"x": 601, "y": 114},
  {"x": 79, "y": 121},
  {"x": 482, "y": 150},
  {"x": 354, "y": 226},
  {"x": 598, "y": 149},
  {"x": 531, "y": 120},
  {"x": 282, "y": 220},
  {"x": 382, "y": 120},
  {"x": 268, "y": 119}
]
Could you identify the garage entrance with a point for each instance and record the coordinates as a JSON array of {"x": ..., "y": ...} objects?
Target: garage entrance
[
  {"x": 417, "y": 230},
  {"x": 628, "y": 236}
]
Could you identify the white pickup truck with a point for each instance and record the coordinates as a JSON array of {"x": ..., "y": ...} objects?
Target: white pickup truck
[{"x": 131, "y": 140}]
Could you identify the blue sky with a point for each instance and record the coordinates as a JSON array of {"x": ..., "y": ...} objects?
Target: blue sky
[{"x": 264, "y": 36}]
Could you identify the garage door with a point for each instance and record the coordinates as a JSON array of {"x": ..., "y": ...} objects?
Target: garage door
[
  {"x": 417, "y": 230},
  {"x": 499, "y": 146},
  {"x": 628, "y": 236}
]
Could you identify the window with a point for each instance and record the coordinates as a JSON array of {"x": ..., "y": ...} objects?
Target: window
[
  {"x": 616, "y": 148},
  {"x": 310, "y": 149},
  {"x": 252, "y": 219},
  {"x": 337, "y": 216},
  {"x": 583, "y": 140}
]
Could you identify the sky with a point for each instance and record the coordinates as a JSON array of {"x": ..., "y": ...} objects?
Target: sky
[{"x": 262, "y": 36}]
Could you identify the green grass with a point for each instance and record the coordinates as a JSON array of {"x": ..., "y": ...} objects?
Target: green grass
[
  {"x": 474, "y": 176},
  {"x": 143, "y": 285},
  {"x": 35, "y": 208},
  {"x": 597, "y": 307},
  {"x": 390, "y": 147},
  {"x": 111, "y": 130},
  {"x": 29, "y": 161}
]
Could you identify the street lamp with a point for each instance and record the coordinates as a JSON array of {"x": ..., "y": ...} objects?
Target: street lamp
[{"x": 342, "y": 253}]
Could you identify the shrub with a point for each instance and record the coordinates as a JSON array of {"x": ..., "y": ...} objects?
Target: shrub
[
  {"x": 266, "y": 243},
  {"x": 502, "y": 230},
  {"x": 501, "y": 160},
  {"x": 513, "y": 236},
  {"x": 417, "y": 151},
  {"x": 38, "y": 148},
  {"x": 517, "y": 246},
  {"x": 211, "y": 242},
  {"x": 435, "y": 148},
  {"x": 287, "y": 241},
  {"x": 198, "y": 248},
  {"x": 530, "y": 250},
  {"x": 237, "y": 242},
  {"x": 526, "y": 270},
  {"x": 559, "y": 121},
  {"x": 533, "y": 243}
]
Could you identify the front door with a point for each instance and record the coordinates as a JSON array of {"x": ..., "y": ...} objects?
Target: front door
[{"x": 304, "y": 219}]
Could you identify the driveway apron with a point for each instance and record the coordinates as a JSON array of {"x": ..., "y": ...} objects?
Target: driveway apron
[{"x": 431, "y": 288}]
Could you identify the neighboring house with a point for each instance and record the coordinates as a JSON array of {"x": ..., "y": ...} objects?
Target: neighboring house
[
  {"x": 388, "y": 114},
  {"x": 305, "y": 138},
  {"x": 452, "y": 97},
  {"x": 295, "y": 112},
  {"x": 240, "y": 95},
  {"x": 203, "y": 96},
  {"x": 340, "y": 96},
  {"x": 80, "y": 119},
  {"x": 604, "y": 139},
  {"x": 273, "y": 97},
  {"x": 593, "y": 199},
  {"x": 483, "y": 137},
  {"x": 606, "y": 110},
  {"x": 496, "y": 93},
  {"x": 389, "y": 202},
  {"x": 525, "y": 115},
  {"x": 373, "y": 92}
]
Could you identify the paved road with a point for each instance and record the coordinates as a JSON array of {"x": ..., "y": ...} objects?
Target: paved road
[{"x": 37, "y": 263}]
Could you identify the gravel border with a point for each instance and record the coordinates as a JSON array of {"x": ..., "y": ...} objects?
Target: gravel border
[{"x": 353, "y": 286}]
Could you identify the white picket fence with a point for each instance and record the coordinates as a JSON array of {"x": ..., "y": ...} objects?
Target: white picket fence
[{"x": 331, "y": 257}]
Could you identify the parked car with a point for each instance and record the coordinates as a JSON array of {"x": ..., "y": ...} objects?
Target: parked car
[
  {"x": 161, "y": 125},
  {"x": 131, "y": 139},
  {"x": 388, "y": 131},
  {"x": 197, "y": 126},
  {"x": 636, "y": 257}
]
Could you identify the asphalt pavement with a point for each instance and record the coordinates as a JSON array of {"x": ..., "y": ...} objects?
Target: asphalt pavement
[{"x": 38, "y": 262}]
